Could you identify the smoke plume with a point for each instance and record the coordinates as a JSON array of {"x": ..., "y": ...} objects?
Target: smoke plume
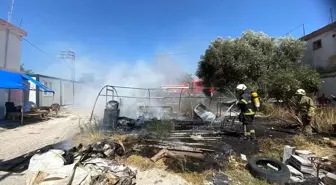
[{"x": 140, "y": 74}]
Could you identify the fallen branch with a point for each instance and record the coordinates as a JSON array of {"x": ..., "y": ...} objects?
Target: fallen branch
[{"x": 175, "y": 155}]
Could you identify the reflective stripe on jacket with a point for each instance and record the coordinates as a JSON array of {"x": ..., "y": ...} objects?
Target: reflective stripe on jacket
[{"x": 245, "y": 104}]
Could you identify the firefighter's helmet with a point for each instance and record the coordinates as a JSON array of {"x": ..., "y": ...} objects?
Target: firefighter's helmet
[
  {"x": 241, "y": 87},
  {"x": 300, "y": 92}
]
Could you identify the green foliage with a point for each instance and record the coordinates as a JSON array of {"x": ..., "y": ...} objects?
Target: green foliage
[
  {"x": 272, "y": 66},
  {"x": 27, "y": 71}
]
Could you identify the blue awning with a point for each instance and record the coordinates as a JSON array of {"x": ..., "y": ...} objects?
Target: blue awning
[{"x": 11, "y": 80}]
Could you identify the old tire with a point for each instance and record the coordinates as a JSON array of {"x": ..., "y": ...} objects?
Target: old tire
[{"x": 280, "y": 177}]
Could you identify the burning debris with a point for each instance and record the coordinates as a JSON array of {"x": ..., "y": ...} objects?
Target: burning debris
[{"x": 199, "y": 136}]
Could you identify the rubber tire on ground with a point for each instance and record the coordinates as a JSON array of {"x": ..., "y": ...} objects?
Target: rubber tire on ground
[{"x": 280, "y": 177}]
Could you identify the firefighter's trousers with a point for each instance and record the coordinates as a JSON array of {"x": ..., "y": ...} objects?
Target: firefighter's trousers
[
  {"x": 248, "y": 126},
  {"x": 307, "y": 128}
]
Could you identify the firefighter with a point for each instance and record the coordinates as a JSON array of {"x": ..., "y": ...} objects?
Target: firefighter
[
  {"x": 305, "y": 109},
  {"x": 248, "y": 111}
]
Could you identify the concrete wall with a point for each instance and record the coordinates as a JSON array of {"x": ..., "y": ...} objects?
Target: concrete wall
[
  {"x": 67, "y": 93},
  {"x": 10, "y": 59},
  {"x": 63, "y": 91},
  {"x": 10, "y": 50},
  {"x": 323, "y": 58},
  {"x": 45, "y": 98}
]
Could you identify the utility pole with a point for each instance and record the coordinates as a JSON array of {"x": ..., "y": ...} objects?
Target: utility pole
[
  {"x": 69, "y": 57},
  {"x": 331, "y": 16},
  {"x": 10, "y": 12}
]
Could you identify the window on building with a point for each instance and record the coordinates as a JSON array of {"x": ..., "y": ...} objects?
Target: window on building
[
  {"x": 317, "y": 44},
  {"x": 49, "y": 86}
]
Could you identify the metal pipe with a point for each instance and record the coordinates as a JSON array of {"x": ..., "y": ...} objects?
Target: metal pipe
[
  {"x": 94, "y": 105},
  {"x": 139, "y": 88},
  {"x": 180, "y": 100},
  {"x": 22, "y": 107}
]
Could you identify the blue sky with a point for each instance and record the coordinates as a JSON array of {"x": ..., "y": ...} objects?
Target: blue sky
[{"x": 111, "y": 32}]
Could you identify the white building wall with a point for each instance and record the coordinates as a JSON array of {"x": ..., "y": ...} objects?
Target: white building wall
[
  {"x": 32, "y": 92},
  {"x": 67, "y": 95},
  {"x": 63, "y": 91},
  {"x": 324, "y": 57},
  {"x": 46, "y": 98},
  {"x": 10, "y": 59}
]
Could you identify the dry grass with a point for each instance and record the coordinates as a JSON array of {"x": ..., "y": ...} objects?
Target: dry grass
[
  {"x": 144, "y": 163},
  {"x": 121, "y": 137},
  {"x": 320, "y": 147},
  {"x": 272, "y": 111},
  {"x": 274, "y": 147},
  {"x": 323, "y": 121},
  {"x": 140, "y": 162},
  {"x": 89, "y": 137},
  {"x": 195, "y": 177},
  {"x": 240, "y": 176},
  {"x": 243, "y": 177}
]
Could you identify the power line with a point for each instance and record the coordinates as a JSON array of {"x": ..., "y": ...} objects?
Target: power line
[
  {"x": 36, "y": 47},
  {"x": 39, "y": 49},
  {"x": 170, "y": 54},
  {"x": 303, "y": 30}
]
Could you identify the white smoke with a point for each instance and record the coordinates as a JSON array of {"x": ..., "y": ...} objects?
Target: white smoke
[{"x": 140, "y": 74}]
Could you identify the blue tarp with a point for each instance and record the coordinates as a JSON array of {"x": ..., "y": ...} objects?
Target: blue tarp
[{"x": 11, "y": 80}]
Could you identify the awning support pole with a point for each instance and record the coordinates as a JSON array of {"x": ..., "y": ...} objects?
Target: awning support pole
[{"x": 22, "y": 107}]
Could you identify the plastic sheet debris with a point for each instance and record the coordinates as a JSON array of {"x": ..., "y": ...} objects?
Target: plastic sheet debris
[
  {"x": 219, "y": 179},
  {"x": 296, "y": 175},
  {"x": 204, "y": 113},
  {"x": 91, "y": 166}
]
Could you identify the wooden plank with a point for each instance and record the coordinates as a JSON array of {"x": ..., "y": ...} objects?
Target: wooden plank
[
  {"x": 178, "y": 143},
  {"x": 182, "y": 148},
  {"x": 175, "y": 154}
]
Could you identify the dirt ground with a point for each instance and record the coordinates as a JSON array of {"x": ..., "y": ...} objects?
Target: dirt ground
[{"x": 18, "y": 140}]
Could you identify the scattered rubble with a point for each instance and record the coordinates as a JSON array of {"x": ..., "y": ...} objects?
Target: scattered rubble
[
  {"x": 330, "y": 179},
  {"x": 80, "y": 165},
  {"x": 219, "y": 179},
  {"x": 288, "y": 151},
  {"x": 296, "y": 175},
  {"x": 302, "y": 164},
  {"x": 305, "y": 166}
]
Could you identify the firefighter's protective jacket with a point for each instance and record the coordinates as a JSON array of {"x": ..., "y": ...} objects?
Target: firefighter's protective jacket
[
  {"x": 306, "y": 106},
  {"x": 245, "y": 104}
]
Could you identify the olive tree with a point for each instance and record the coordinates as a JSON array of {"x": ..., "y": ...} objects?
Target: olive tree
[
  {"x": 272, "y": 66},
  {"x": 26, "y": 71}
]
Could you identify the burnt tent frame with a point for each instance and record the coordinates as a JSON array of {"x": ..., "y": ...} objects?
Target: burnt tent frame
[{"x": 111, "y": 91}]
